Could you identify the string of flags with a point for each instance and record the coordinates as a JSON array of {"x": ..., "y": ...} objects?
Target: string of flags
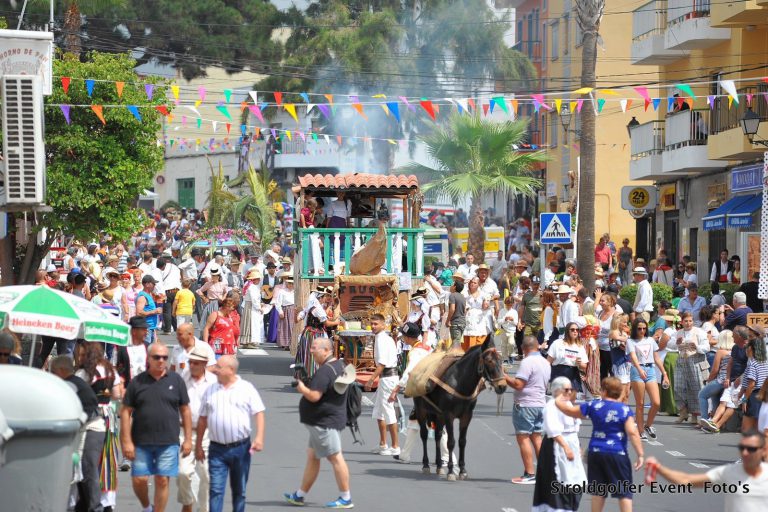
[{"x": 396, "y": 107}]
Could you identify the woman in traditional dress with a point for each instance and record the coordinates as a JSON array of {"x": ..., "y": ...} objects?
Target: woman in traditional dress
[
  {"x": 96, "y": 370},
  {"x": 213, "y": 291},
  {"x": 284, "y": 303},
  {"x": 477, "y": 324},
  {"x": 222, "y": 329},
  {"x": 252, "y": 321},
  {"x": 132, "y": 284},
  {"x": 560, "y": 455},
  {"x": 316, "y": 323},
  {"x": 588, "y": 336},
  {"x": 691, "y": 368}
]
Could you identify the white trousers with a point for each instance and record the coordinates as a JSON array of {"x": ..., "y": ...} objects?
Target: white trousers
[
  {"x": 193, "y": 479},
  {"x": 413, "y": 439}
]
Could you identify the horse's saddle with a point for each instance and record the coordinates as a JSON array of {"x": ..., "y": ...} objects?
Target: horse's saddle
[{"x": 434, "y": 366}]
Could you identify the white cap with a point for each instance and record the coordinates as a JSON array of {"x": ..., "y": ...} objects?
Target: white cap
[{"x": 51, "y": 268}]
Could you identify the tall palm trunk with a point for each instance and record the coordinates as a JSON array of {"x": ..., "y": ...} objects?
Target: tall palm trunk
[
  {"x": 589, "y": 13},
  {"x": 72, "y": 25},
  {"x": 476, "y": 241}
]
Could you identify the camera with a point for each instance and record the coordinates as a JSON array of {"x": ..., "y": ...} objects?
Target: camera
[
  {"x": 615, "y": 343},
  {"x": 299, "y": 374}
]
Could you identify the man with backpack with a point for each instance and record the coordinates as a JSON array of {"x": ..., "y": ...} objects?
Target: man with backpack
[{"x": 323, "y": 410}]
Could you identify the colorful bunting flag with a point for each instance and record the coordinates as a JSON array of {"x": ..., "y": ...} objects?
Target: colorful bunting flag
[
  {"x": 65, "y": 81},
  {"x": 65, "y": 110},
  {"x": 150, "y": 90},
  {"x": 486, "y": 106},
  {"x": 686, "y": 89},
  {"x": 749, "y": 99},
  {"x": 229, "y": 127},
  {"x": 255, "y": 110},
  {"x": 224, "y": 111},
  {"x": 670, "y": 102},
  {"x": 643, "y": 92},
  {"x": 359, "y": 108},
  {"x": 214, "y": 125},
  {"x": 175, "y": 92},
  {"x": 514, "y": 107},
  {"x": 394, "y": 107},
  {"x": 133, "y": 109},
  {"x": 711, "y": 101},
  {"x": 600, "y": 105},
  {"x": 325, "y": 110},
  {"x": 254, "y": 96},
  {"x": 558, "y": 104},
  {"x": 291, "y": 109},
  {"x": 579, "y": 105},
  {"x": 228, "y": 95},
  {"x": 500, "y": 101},
  {"x": 99, "y": 111},
  {"x": 89, "y": 85},
  {"x": 278, "y": 98},
  {"x": 656, "y": 102},
  {"x": 199, "y": 124},
  {"x": 304, "y": 96},
  {"x": 730, "y": 88},
  {"x": 329, "y": 97},
  {"x": 201, "y": 93},
  {"x": 163, "y": 110},
  {"x": 645, "y": 106},
  {"x": 462, "y": 105}
]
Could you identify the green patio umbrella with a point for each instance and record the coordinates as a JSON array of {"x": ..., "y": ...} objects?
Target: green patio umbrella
[{"x": 43, "y": 311}]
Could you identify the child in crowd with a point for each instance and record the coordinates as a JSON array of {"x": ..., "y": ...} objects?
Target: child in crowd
[
  {"x": 184, "y": 303},
  {"x": 507, "y": 320}
]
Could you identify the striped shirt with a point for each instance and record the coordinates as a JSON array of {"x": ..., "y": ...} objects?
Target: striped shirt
[
  {"x": 229, "y": 410},
  {"x": 755, "y": 371}
]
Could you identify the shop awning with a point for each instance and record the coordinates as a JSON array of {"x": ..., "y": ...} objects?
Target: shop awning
[
  {"x": 716, "y": 218},
  {"x": 741, "y": 215}
]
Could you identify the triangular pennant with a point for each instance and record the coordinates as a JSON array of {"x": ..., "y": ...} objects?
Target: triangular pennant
[
  {"x": 229, "y": 127},
  {"x": 163, "y": 110},
  {"x": 656, "y": 102},
  {"x": 150, "y": 90},
  {"x": 461, "y": 104},
  {"x": 730, "y": 88},
  {"x": 278, "y": 98},
  {"x": 623, "y": 103},
  {"x": 133, "y": 109},
  {"x": 629, "y": 104},
  {"x": 325, "y": 110},
  {"x": 327, "y": 139},
  {"x": 412, "y": 108},
  {"x": 310, "y": 106},
  {"x": 65, "y": 81},
  {"x": 689, "y": 101},
  {"x": 600, "y": 105},
  {"x": 749, "y": 99},
  {"x": 670, "y": 102},
  {"x": 359, "y": 108},
  {"x": 427, "y": 105},
  {"x": 303, "y": 136},
  {"x": 500, "y": 101},
  {"x": 329, "y": 97},
  {"x": 89, "y": 84},
  {"x": 730, "y": 102},
  {"x": 304, "y": 96},
  {"x": 254, "y": 96},
  {"x": 338, "y": 139},
  {"x": 572, "y": 106},
  {"x": 243, "y": 129},
  {"x": 175, "y": 92},
  {"x": 679, "y": 102},
  {"x": 486, "y": 106},
  {"x": 224, "y": 111},
  {"x": 491, "y": 105},
  {"x": 584, "y": 90},
  {"x": 685, "y": 88},
  {"x": 193, "y": 109},
  {"x": 471, "y": 103},
  {"x": 255, "y": 110},
  {"x": 199, "y": 123},
  {"x": 645, "y": 106},
  {"x": 539, "y": 98},
  {"x": 392, "y": 142},
  {"x": 99, "y": 111},
  {"x": 711, "y": 101},
  {"x": 579, "y": 105},
  {"x": 643, "y": 92},
  {"x": 65, "y": 110},
  {"x": 291, "y": 109},
  {"x": 314, "y": 136},
  {"x": 201, "y": 93},
  {"x": 227, "y": 95},
  {"x": 558, "y": 104},
  {"x": 514, "y": 107},
  {"x": 273, "y": 132},
  {"x": 243, "y": 106},
  {"x": 214, "y": 125},
  {"x": 198, "y": 103},
  {"x": 610, "y": 92},
  {"x": 394, "y": 107}
]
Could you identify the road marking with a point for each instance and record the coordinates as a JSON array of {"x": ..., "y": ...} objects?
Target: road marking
[
  {"x": 253, "y": 352},
  {"x": 655, "y": 443},
  {"x": 698, "y": 465},
  {"x": 675, "y": 454},
  {"x": 507, "y": 509}
]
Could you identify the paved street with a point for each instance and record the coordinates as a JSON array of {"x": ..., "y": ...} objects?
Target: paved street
[{"x": 378, "y": 484}]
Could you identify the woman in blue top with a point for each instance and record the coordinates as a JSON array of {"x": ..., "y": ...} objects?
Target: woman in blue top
[
  {"x": 643, "y": 354},
  {"x": 609, "y": 469}
]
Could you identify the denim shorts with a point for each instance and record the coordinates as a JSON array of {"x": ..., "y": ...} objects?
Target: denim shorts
[
  {"x": 159, "y": 460},
  {"x": 650, "y": 374},
  {"x": 527, "y": 420}
]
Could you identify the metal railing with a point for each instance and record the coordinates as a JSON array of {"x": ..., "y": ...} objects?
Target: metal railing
[
  {"x": 686, "y": 128},
  {"x": 649, "y": 19},
  {"x": 727, "y": 116},
  {"x": 681, "y": 10},
  {"x": 647, "y": 139},
  {"x": 322, "y": 247}
]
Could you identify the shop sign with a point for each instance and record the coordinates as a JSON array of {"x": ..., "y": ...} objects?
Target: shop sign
[
  {"x": 24, "y": 52},
  {"x": 668, "y": 200},
  {"x": 747, "y": 178}
]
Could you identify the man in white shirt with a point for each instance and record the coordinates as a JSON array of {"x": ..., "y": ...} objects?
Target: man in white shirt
[
  {"x": 170, "y": 278},
  {"x": 469, "y": 268},
  {"x": 643, "y": 306},
  {"x": 385, "y": 357},
  {"x": 198, "y": 379},
  {"x": 747, "y": 483},
  {"x": 722, "y": 270},
  {"x": 550, "y": 273},
  {"x": 226, "y": 410},
  {"x": 498, "y": 266},
  {"x": 147, "y": 264},
  {"x": 185, "y": 335},
  {"x": 188, "y": 267},
  {"x": 286, "y": 269},
  {"x": 488, "y": 286},
  {"x": 569, "y": 310}
]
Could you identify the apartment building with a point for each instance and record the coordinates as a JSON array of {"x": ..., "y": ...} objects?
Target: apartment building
[
  {"x": 708, "y": 174},
  {"x": 549, "y": 34}
]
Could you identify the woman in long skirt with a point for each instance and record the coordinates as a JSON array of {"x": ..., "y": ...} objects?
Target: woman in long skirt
[
  {"x": 211, "y": 293},
  {"x": 316, "y": 322},
  {"x": 588, "y": 336},
  {"x": 559, "y": 456},
  {"x": 691, "y": 368},
  {"x": 286, "y": 312},
  {"x": 252, "y": 321}
]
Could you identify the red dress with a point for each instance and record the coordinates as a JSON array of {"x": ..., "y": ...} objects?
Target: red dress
[{"x": 224, "y": 333}]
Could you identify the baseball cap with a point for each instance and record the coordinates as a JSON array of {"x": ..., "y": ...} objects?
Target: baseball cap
[
  {"x": 138, "y": 322},
  {"x": 148, "y": 279}
]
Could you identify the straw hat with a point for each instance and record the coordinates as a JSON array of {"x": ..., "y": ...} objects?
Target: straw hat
[
  {"x": 253, "y": 274},
  {"x": 564, "y": 288},
  {"x": 671, "y": 315},
  {"x": 420, "y": 292},
  {"x": 640, "y": 270}
]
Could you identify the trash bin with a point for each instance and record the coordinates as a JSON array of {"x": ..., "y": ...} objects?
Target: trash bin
[{"x": 45, "y": 416}]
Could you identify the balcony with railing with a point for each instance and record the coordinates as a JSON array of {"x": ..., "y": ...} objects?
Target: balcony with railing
[
  {"x": 646, "y": 148},
  {"x": 649, "y": 23},
  {"x": 300, "y": 154},
  {"x": 685, "y": 143},
  {"x": 727, "y": 140},
  {"x": 322, "y": 247},
  {"x": 689, "y": 26},
  {"x": 739, "y": 13}
]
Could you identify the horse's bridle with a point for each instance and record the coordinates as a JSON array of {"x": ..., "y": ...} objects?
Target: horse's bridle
[{"x": 483, "y": 371}]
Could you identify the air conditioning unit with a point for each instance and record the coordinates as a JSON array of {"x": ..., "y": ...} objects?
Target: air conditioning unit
[{"x": 23, "y": 146}]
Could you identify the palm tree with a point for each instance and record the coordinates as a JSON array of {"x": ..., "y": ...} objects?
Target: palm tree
[
  {"x": 73, "y": 20},
  {"x": 475, "y": 157},
  {"x": 588, "y": 16},
  {"x": 220, "y": 200},
  {"x": 256, "y": 206}
]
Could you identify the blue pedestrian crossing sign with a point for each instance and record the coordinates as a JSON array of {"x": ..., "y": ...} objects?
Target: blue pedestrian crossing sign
[{"x": 555, "y": 228}]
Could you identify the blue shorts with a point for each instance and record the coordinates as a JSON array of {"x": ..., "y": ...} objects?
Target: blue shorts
[
  {"x": 612, "y": 474},
  {"x": 159, "y": 460},
  {"x": 753, "y": 406},
  {"x": 650, "y": 374},
  {"x": 527, "y": 420}
]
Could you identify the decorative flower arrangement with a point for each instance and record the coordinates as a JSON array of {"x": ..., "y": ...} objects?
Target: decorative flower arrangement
[{"x": 222, "y": 234}]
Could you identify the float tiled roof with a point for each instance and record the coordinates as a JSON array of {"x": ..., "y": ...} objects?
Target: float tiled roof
[{"x": 359, "y": 180}]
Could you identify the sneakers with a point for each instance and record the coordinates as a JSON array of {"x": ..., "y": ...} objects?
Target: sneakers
[
  {"x": 401, "y": 460},
  {"x": 526, "y": 479},
  {"x": 380, "y": 450},
  {"x": 651, "y": 432},
  {"x": 293, "y": 499},
  {"x": 709, "y": 426},
  {"x": 125, "y": 465},
  {"x": 390, "y": 451},
  {"x": 340, "y": 503},
  {"x": 643, "y": 436}
]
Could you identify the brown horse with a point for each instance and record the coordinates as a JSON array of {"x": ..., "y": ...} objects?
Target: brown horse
[{"x": 455, "y": 396}]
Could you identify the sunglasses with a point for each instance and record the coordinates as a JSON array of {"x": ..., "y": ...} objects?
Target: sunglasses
[
  {"x": 160, "y": 358},
  {"x": 642, "y": 328},
  {"x": 750, "y": 449},
  {"x": 573, "y": 330}
]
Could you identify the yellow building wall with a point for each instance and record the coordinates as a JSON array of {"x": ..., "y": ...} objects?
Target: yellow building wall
[{"x": 613, "y": 145}]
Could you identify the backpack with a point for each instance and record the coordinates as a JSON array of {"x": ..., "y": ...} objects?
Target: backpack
[{"x": 354, "y": 409}]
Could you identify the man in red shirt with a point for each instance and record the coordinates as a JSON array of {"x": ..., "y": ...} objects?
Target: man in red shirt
[{"x": 603, "y": 254}]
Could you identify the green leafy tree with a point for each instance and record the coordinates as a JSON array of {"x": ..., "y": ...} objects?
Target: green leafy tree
[
  {"x": 95, "y": 171},
  {"x": 255, "y": 207},
  {"x": 221, "y": 200},
  {"x": 475, "y": 157}
]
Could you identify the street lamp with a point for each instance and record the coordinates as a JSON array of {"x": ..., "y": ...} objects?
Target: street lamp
[
  {"x": 631, "y": 124},
  {"x": 565, "y": 118},
  {"x": 749, "y": 124}
]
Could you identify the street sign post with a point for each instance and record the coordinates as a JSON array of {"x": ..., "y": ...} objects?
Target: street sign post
[{"x": 554, "y": 228}]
